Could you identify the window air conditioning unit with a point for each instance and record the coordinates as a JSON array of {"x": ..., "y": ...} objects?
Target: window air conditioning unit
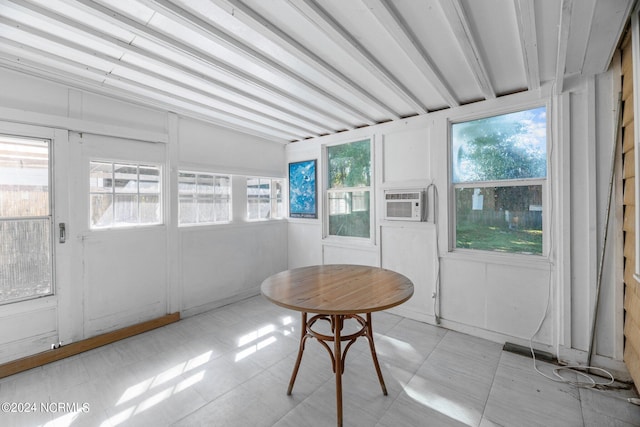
[{"x": 405, "y": 205}]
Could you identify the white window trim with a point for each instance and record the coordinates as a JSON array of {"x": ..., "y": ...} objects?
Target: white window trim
[
  {"x": 273, "y": 201},
  {"x": 213, "y": 174},
  {"x": 49, "y": 140},
  {"x": 161, "y": 194},
  {"x": 545, "y": 182},
  {"x": 356, "y": 241}
]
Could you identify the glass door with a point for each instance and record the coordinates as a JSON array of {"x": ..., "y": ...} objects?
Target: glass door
[{"x": 26, "y": 231}]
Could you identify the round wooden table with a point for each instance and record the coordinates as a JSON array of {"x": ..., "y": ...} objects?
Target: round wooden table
[{"x": 335, "y": 293}]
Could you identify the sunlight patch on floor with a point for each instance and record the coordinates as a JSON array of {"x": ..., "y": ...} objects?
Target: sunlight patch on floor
[
  {"x": 149, "y": 385},
  {"x": 254, "y": 335},
  {"x": 423, "y": 394}
]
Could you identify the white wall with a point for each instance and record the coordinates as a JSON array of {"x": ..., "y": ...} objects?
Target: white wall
[
  {"x": 221, "y": 263},
  {"x": 108, "y": 279},
  {"x": 499, "y": 297},
  {"x": 496, "y": 296}
]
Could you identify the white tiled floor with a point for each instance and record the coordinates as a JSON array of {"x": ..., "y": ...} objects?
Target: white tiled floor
[{"x": 231, "y": 367}]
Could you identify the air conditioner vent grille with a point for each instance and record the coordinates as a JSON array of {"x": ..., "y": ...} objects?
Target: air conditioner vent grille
[{"x": 402, "y": 196}]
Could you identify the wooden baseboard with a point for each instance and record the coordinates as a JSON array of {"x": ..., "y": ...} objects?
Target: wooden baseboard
[{"x": 74, "y": 348}]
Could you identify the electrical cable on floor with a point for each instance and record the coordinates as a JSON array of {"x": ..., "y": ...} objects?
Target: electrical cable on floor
[{"x": 576, "y": 369}]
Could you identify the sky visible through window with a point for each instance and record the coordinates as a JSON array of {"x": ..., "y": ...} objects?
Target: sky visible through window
[{"x": 509, "y": 146}]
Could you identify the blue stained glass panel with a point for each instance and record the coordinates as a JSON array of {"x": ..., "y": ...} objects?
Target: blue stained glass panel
[{"x": 302, "y": 190}]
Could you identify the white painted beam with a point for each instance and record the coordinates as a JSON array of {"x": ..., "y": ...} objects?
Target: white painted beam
[
  {"x": 392, "y": 22},
  {"x": 36, "y": 58},
  {"x": 317, "y": 16},
  {"x": 528, "y": 40},
  {"x": 261, "y": 25},
  {"x": 224, "y": 90},
  {"x": 457, "y": 18},
  {"x": 79, "y": 125},
  {"x": 609, "y": 21},
  {"x": 563, "y": 43},
  {"x": 170, "y": 86},
  {"x": 182, "y": 48},
  {"x": 205, "y": 29}
]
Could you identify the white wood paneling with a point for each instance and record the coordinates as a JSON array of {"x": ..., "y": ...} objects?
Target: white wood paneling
[
  {"x": 463, "y": 292},
  {"x": 515, "y": 306},
  {"x": 497, "y": 296},
  {"x": 32, "y": 326},
  {"x": 410, "y": 249},
  {"x": 28, "y": 328},
  {"x": 405, "y": 157},
  {"x": 202, "y": 145},
  {"x": 305, "y": 246},
  {"x": 124, "y": 278},
  {"x": 119, "y": 277},
  {"x": 336, "y": 253},
  {"x": 124, "y": 270},
  {"x": 219, "y": 263}
]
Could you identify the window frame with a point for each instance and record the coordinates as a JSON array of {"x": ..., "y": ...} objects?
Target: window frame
[
  {"x": 214, "y": 197},
  {"x": 545, "y": 182},
  {"x": 49, "y": 217},
  {"x": 370, "y": 189},
  {"x": 273, "y": 199},
  {"x": 138, "y": 164}
]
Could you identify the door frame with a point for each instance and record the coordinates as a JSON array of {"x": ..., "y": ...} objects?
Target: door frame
[{"x": 37, "y": 337}]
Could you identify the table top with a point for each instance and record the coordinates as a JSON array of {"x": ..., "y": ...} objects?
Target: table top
[{"x": 337, "y": 289}]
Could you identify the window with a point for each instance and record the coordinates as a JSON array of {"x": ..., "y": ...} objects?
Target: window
[
  {"x": 124, "y": 194},
  {"x": 349, "y": 189},
  {"x": 499, "y": 169},
  {"x": 264, "y": 198},
  {"x": 203, "y": 198},
  {"x": 25, "y": 219}
]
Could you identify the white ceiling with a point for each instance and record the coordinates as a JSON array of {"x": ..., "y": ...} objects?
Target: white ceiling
[{"x": 289, "y": 70}]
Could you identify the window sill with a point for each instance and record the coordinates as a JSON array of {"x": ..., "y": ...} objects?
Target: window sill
[
  {"x": 486, "y": 257},
  {"x": 350, "y": 242},
  {"x": 229, "y": 225},
  {"x": 203, "y": 224}
]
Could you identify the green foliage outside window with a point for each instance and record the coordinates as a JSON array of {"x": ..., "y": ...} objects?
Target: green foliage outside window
[
  {"x": 499, "y": 166},
  {"x": 350, "y": 165},
  {"x": 349, "y": 170}
]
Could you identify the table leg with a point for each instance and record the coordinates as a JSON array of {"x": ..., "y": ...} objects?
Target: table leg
[
  {"x": 337, "y": 323},
  {"x": 338, "y": 356},
  {"x": 373, "y": 353},
  {"x": 303, "y": 338}
]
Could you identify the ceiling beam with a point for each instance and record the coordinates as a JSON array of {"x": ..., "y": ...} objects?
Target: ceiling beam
[
  {"x": 329, "y": 26},
  {"x": 563, "y": 43},
  {"x": 224, "y": 92},
  {"x": 205, "y": 29},
  {"x": 582, "y": 12},
  {"x": 526, "y": 17},
  {"x": 397, "y": 28},
  {"x": 457, "y": 18},
  {"x": 145, "y": 91},
  {"x": 608, "y": 22},
  {"x": 265, "y": 28},
  {"x": 181, "y": 49}
]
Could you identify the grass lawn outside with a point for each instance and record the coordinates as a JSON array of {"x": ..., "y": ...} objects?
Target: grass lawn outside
[{"x": 498, "y": 239}]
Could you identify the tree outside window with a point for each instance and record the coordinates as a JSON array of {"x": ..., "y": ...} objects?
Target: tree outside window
[
  {"x": 349, "y": 192},
  {"x": 499, "y": 168}
]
